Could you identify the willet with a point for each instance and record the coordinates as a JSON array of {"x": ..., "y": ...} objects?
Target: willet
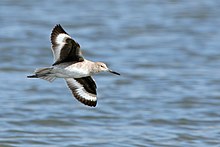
[{"x": 70, "y": 65}]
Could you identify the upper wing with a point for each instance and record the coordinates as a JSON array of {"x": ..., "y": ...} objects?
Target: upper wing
[
  {"x": 83, "y": 89},
  {"x": 64, "y": 48}
]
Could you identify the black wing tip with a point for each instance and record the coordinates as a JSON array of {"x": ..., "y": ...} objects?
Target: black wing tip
[
  {"x": 58, "y": 29},
  {"x": 90, "y": 103},
  {"x": 85, "y": 101}
]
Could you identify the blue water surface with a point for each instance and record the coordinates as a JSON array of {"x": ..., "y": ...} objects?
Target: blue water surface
[{"x": 168, "y": 54}]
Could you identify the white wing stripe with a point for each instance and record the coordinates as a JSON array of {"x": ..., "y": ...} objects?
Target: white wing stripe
[
  {"x": 85, "y": 94},
  {"x": 60, "y": 39},
  {"x": 80, "y": 90}
]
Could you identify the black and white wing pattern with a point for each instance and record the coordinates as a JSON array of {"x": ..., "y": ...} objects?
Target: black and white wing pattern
[
  {"x": 64, "y": 48},
  {"x": 83, "y": 89}
]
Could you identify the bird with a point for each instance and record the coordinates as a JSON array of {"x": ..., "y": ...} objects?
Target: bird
[{"x": 70, "y": 65}]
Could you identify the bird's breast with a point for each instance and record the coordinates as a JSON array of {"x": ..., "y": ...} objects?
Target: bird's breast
[{"x": 76, "y": 70}]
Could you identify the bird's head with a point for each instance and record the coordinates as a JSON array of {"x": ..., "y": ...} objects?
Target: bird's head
[{"x": 102, "y": 67}]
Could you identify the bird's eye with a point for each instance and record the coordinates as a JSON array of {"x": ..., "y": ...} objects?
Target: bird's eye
[{"x": 102, "y": 66}]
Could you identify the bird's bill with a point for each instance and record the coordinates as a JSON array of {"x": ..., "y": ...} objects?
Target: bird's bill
[{"x": 114, "y": 72}]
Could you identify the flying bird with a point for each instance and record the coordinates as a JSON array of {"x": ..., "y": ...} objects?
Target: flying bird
[{"x": 73, "y": 67}]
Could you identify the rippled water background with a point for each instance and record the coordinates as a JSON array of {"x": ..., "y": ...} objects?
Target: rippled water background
[{"x": 168, "y": 53}]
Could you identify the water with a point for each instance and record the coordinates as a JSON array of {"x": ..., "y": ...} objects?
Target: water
[{"x": 168, "y": 53}]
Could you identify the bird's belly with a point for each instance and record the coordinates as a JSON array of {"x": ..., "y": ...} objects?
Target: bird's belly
[{"x": 70, "y": 73}]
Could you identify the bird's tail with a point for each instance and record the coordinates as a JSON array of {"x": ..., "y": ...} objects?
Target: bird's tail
[{"x": 43, "y": 73}]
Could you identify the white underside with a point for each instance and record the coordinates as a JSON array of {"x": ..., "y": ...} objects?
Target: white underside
[{"x": 76, "y": 70}]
